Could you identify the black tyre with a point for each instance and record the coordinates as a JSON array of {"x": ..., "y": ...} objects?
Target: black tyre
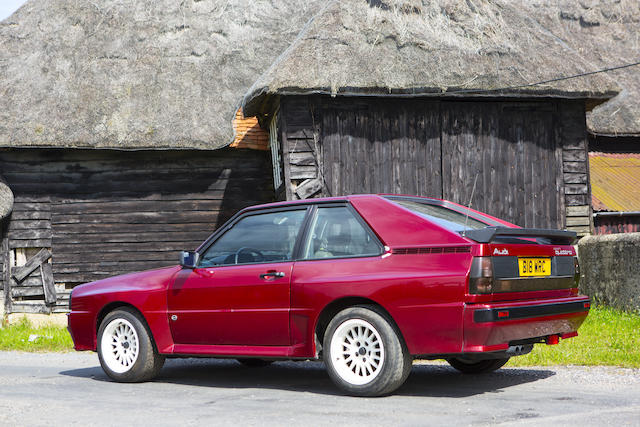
[
  {"x": 255, "y": 363},
  {"x": 477, "y": 367},
  {"x": 364, "y": 354},
  {"x": 125, "y": 347}
]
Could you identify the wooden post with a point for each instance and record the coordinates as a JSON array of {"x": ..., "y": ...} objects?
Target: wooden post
[
  {"x": 46, "y": 273},
  {"x": 7, "y": 269}
]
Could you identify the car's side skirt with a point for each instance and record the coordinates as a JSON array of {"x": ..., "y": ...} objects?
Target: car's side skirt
[{"x": 295, "y": 351}]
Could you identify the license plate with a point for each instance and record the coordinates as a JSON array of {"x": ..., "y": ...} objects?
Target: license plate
[{"x": 534, "y": 266}]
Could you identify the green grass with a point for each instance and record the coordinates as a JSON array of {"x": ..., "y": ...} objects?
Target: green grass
[
  {"x": 44, "y": 338},
  {"x": 607, "y": 337}
]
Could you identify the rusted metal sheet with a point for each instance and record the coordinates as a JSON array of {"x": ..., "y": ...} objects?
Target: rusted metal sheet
[{"x": 615, "y": 181}]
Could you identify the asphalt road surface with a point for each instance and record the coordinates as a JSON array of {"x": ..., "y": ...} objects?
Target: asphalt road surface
[{"x": 71, "y": 389}]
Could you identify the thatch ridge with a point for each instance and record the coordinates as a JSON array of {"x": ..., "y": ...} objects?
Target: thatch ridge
[
  {"x": 133, "y": 74},
  {"x": 421, "y": 47},
  {"x": 605, "y": 33}
]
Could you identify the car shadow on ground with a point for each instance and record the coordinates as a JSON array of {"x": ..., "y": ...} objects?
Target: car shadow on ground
[{"x": 434, "y": 380}]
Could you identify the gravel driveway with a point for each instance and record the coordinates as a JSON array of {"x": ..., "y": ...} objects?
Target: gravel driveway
[{"x": 54, "y": 389}]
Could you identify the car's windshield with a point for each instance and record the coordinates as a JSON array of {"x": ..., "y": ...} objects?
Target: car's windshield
[{"x": 443, "y": 216}]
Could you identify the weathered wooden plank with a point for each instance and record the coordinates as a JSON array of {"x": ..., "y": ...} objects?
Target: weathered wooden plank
[
  {"x": 19, "y": 273},
  {"x": 575, "y": 199},
  {"x": 141, "y": 239},
  {"x": 16, "y": 224},
  {"x": 577, "y": 220},
  {"x": 48, "y": 284},
  {"x": 186, "y": 217},
  {"x": 574, "y": 155},
  {"x": 580, "y": 229},
  {"x": 578, "y": 210},
  {"x": 32, "y": 280},
  {"x": 575, "y": 178},
  {"x": 63, "y": 229},
  {"x": 577, "y": 167},
  {"x": 170, "y": 256},
  {"x": 303, "y": 172},
  {"x": 308, "y": 188},
  {"x": 30, "y": 243},
  {"x": 30, "y": 214},
  {"x": 27, "y": 291},
  {"x": 121, "y": 206},
  {"x": 300, "y": 133},
  {"x": 576, "y": 189},
  {"x": 30, "y": 307},
  {"x": 109, "y": 268},
  {"x": 96, "y": 245},
  {"x": 301, "y": 145},
  {"x": 305, "y": 158},
  {"x": 30, "y": 234}
]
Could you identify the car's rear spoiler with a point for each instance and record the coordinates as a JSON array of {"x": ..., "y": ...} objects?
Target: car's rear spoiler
[{"x": 490, "y": 234}]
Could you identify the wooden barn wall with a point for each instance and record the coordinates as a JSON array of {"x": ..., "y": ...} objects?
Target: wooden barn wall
[
  {"x": 104, "y": 212},
  {"x": 511, "y": 149},
  {"x": 529, "y": 156}
]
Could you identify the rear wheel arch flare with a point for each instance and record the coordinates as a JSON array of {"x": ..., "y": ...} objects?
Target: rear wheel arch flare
[{"x": 336, "y": 306}]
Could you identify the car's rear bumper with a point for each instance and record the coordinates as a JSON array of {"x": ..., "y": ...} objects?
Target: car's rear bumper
[{"x": 492, "y": 327}]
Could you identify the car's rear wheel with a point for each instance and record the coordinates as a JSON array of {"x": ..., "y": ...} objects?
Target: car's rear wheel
[
  {"x": 364, "y": 354},
  {"x": 125, "y": 348},
  {"x": 254, "y": 363},
  {"x": 477, "y": 367}
]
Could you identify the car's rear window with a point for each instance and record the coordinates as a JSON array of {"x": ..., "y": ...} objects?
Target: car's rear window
[{"x": 443, "y": 216}]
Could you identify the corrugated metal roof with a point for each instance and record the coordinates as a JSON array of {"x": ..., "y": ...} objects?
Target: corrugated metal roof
[{"x": 615, "y": 181}]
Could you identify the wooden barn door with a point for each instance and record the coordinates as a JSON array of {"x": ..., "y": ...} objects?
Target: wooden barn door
[
  {"x": 381, "y": 146},
  {"x": 511, "y": 147}
]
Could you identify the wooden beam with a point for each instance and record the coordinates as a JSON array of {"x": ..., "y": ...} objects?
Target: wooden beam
[
  {"x": 19, "y": 273},
  {"x": 47, "y": 283},
  {"x": 6, "y": 278}
]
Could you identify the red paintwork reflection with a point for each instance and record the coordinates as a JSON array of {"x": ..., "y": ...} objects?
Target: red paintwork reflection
[{"x": 232, "y": 311}]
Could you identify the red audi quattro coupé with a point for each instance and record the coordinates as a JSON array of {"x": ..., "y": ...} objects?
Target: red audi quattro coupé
[{"x": 365, "y": 283}]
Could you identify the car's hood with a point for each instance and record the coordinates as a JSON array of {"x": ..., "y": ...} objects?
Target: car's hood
[{"x": 149, "y": 279}]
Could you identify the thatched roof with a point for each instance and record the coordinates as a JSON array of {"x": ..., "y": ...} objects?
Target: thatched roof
[
  {"x": 136, "y": 74},
  {"x": 422, "y": 47},
  {"x": 605, "y": 33}
]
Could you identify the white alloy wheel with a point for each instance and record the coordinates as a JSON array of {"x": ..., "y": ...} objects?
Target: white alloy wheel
[
  {"x": 120, "y": 345},
  {"x": 357, "y": 352}
]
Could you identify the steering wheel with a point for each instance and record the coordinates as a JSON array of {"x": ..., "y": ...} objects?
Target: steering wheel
[{"x": 252, "y": 251}]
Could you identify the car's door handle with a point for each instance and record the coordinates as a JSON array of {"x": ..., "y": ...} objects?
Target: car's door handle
[{"x": 272, "y": 274}]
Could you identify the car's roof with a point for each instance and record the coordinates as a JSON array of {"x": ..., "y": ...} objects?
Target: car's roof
[{"x": 332, "y": 199}]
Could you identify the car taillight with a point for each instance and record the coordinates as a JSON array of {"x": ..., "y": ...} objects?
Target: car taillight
[{"x": 481, "y": 276}]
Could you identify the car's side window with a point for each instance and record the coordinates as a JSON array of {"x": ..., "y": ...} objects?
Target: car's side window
[
  {"x": 335, "y": 232},
  {"x": 267, "y": 237}
]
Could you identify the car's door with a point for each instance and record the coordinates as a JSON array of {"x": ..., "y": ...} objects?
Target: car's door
[{"x": 239, "y": 293}]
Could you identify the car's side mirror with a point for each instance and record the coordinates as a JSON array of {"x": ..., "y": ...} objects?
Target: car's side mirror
[{"x": 189, "y": 259}]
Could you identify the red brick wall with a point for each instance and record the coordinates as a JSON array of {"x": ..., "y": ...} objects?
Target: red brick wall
[{"x": 249, "y": 134}]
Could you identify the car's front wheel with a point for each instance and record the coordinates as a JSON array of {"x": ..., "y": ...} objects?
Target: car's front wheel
[
  {"x": 364, "y": 354},
  {"x": 125, "y": 348},
  {"x": 477, "y": 367}
]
